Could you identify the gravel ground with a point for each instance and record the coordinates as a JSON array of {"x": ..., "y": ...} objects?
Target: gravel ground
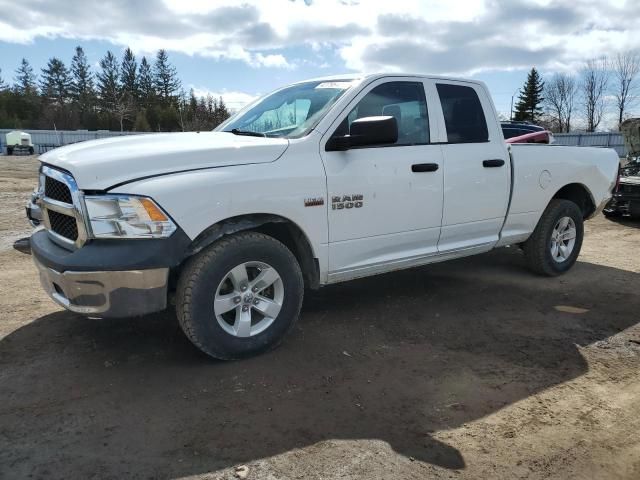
[{"x": 467, "y": 369}]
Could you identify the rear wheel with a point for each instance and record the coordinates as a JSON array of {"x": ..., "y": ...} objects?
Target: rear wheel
[
  {"x": 9, "y": 150},
  {"x": 240, "y": 296},
  {"x": 554, "y": 245}
]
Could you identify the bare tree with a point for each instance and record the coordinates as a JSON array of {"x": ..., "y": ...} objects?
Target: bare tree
[
  {"x": 595, "y": 78},
  {"x": 559, "y": 98},
  {"x": 626, "y": 68},
  {"x": 123, "y": 108}
]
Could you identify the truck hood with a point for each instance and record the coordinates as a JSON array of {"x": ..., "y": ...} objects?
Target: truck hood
[{"x": 100, "y": 164}]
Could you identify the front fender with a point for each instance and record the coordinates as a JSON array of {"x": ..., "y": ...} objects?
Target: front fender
[{"x": 201, "y": 199}]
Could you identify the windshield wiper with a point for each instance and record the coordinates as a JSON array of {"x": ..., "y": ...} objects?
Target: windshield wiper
[{"x": 248, "y": 133}]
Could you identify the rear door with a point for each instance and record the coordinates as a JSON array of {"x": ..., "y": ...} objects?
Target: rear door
[
  {"x": 385, "y": 201},
  {"x": 477, "y": 177}
]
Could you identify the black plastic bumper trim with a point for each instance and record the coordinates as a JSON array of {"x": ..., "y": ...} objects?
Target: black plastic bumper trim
[{"x": 112, "y": 254}]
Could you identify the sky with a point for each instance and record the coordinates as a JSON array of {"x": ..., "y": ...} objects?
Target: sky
[{"x": 242, "y": 49}]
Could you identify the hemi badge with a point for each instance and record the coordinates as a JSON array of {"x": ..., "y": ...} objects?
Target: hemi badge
[{"x": 313, "y": 202}]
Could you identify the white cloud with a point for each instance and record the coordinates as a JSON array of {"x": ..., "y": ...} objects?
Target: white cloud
[
  {"x": 494, "y": 35},
  {"x": 278, "y": 61},
  {"x": 233, "y": 99},
  {"x": 439, "y": 36}
]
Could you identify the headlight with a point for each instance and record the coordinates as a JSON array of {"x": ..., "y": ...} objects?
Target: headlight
[{"x": 126, "y": 216}]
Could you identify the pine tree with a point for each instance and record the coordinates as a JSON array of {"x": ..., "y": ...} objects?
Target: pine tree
[
  {"x": 113, "y": 101},
  {"x": 146, "y": 91},
  {"x": 25, "y": 80},
  {"x": 193, "y": 101},
  {"x": 3, "y": 86},
  {"x": 221, "y": 113},
  {"x": 82, "y": 87},
  {"x": 141, "y": 123},
  {"x": 165, "y": 79},
  {"x": 54, "y": 83},
  {"x": 530, "y": 100},
  {"x": 128, "y": 74},
  {"x": 108, "y": 81}
]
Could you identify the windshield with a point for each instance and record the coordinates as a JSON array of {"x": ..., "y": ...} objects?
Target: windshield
[{"x": 288, "y": 113}]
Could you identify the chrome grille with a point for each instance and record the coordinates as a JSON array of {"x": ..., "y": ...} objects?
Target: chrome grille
[
  {"x": 63, "y": 225},
  {"x": 61, "y": 204},
  {"x": 57, "y": 190}
]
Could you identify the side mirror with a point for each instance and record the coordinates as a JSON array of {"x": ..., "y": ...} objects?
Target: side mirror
[{"x": 366, "y": 131}]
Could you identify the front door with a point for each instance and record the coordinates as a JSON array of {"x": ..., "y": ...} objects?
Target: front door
[{"x": 385, "y": 202}]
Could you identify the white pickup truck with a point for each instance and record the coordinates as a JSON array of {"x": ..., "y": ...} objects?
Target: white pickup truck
[{"x": 319, "y": 182}]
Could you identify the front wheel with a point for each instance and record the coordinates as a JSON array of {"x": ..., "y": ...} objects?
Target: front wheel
[
  {"x": 240, "y": 296},
  {"x": 554, "y": 246}
]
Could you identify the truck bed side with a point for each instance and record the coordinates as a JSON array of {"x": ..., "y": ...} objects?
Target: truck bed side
[{"x": 541, "y": 171}]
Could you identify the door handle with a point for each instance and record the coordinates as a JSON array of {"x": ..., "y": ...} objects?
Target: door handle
[
  {"x": 497, "y": 162},
  {"x": 424, "y": 167}
]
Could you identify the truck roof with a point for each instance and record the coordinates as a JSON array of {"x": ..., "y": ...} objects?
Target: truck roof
[{"x": 375, "y": 76}]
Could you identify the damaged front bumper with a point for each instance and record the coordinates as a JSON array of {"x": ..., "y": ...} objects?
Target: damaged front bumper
[
  {"x": 109, "y": 278},
  {"x": 108, "y": 293}
]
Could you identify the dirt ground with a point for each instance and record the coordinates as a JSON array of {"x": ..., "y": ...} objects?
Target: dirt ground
[{"x": 469, "y": 369}]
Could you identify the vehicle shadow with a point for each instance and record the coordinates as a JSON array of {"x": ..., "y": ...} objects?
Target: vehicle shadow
[
  {"x": 626, "y": 221},
  {"x": 397, "y": 358}
]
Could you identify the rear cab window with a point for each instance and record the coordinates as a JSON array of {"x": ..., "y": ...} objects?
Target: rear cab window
[{"x": 463, "y": 114}]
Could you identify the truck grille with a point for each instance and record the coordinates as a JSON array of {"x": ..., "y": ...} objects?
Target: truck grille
[
  {"x": 63, "y": 225},
  {"x": 57, "y": 190},
  {"x": 61, "y": 211}
]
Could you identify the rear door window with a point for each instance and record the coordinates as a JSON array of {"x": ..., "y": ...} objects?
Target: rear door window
[{"x": 463, "y": 114}]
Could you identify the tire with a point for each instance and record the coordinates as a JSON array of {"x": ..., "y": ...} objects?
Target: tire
[
  {"x": 9, "y": 150},
  {"x": 539, "y": 248},
  {"x": 208, "y": 281},
  {"x": 31, "y": 150}
]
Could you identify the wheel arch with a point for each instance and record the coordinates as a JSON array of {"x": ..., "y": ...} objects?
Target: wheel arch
[
  {"x": 276, "y": 226},
  {"x": 579, "y": 194}
]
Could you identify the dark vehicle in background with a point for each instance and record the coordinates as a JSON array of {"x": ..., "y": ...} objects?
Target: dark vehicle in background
[
  {"x": 516, "y": 129},
  {"x": 626, "y": 195},
  {"x": 625, "y": 198}
]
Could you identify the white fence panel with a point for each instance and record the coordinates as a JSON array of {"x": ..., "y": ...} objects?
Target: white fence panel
[
  {"x": 612, "y": 140},
  {"x": 44, "y": 140}
]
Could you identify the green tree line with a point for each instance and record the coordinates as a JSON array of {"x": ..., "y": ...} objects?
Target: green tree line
[{"x": 122, "y": 94}]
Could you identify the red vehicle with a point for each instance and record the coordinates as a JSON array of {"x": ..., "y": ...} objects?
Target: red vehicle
[{"x": 543, "y": 136}]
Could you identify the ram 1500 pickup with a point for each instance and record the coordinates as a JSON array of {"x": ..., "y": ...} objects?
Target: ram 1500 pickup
[{"x": 319, "y": 182}]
